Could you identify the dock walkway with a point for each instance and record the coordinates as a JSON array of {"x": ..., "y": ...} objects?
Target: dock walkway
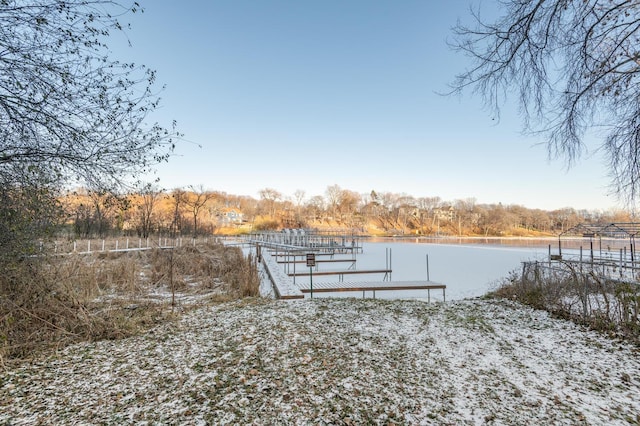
[{"x": 283, "y": 286}]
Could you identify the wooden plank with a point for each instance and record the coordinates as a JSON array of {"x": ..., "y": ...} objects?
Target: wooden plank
[
  {"x": 302, "y": 253},
  {"x": 375, "y": 286},
  {"x": 290, "y": 296},
  {"x": 319, "y": 260},
  {"x": 372, "y": 286},
  {"x": 344, "y": 272}
]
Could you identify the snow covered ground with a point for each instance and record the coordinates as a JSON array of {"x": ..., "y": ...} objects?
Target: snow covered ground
[{"x": 337, "y": 361}]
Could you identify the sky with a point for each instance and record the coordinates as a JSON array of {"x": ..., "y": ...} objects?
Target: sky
[{"x": 303, "y": 95}]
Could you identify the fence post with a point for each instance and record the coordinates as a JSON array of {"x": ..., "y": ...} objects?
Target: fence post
[
  {"x": 585, "y": 309},
  {"x": 621, "y": 263}
]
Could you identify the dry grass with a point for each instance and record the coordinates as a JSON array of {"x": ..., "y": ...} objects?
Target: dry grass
[
  {"x": 604, "y": 304},
  {"x": 53, "y": 301}
]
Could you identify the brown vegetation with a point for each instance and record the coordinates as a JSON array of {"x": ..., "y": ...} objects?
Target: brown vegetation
[
  {"x": 198, "y": 212},
  {"x": 55, "y": 300},
  {"x": 577, "y": 292}
]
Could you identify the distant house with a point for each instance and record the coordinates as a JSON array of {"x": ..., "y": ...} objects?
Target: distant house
[
  {"x": 445, "y": 213},
  {"x": 231, "y": 216}
]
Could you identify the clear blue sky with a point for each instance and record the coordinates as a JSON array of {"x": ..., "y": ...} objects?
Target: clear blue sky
[{"x": 301, "y": 95}]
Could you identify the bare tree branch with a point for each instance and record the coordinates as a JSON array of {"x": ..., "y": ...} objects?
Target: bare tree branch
[
  {"x": 65, "y": 106},
  {"x": 575, "y": 66}
]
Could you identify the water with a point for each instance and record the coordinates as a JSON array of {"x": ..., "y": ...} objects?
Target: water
[{"x": 468, "y": 270}]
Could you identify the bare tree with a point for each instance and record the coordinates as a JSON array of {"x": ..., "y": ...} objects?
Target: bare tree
[
  {"x": 298, "y": 197},
  {"x": 270, "y": 197},
  {"x": 388, "y": 202},
  {"x": 178, "y": 198},
  {"x": 69, "y": 113},
  {"x": 575, "y": 66},
  {"x": 66, "y": 108},
  {"x": 106, "y": 206},
  {"x": 333, "y": 193},
  {"x": 196, "y": 200},
  {"x": 405, "y": 211},
  {"x": 149, "y": 198},
  {"x": 316, "y": 207},
  {"x": 348, "y": 204}
]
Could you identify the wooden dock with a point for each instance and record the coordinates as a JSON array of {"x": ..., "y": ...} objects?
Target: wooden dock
[
  {"x": 286, "y": 288},
  {"x": 372, "y": 287},
  {"x": 320, "y": 261},
  {"x": 342, "y": 273}
]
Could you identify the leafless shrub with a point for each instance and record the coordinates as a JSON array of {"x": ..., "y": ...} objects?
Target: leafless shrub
[{"x": 577, "y": 291}]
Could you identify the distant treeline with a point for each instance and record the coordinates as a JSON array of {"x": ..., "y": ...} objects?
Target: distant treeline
[{"x": 195, "y": 211}]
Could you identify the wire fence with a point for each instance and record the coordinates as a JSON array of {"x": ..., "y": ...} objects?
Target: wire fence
[
  {"x": 122, "y": 244},
  {"x": 600, "y": 292}
]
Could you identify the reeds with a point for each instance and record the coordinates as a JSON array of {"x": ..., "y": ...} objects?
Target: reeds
[{"x": 55, "y": 300}]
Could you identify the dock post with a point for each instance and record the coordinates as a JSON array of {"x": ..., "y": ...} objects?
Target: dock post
[{"x": 428, "y": 268}]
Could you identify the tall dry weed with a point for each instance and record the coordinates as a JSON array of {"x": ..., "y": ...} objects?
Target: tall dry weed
[
  {"x": 119, "y": 273},
  {"x": 39, "y": 305},
  {"x": 206, "y": 267},
  {"x": 56, "y": 300}
]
